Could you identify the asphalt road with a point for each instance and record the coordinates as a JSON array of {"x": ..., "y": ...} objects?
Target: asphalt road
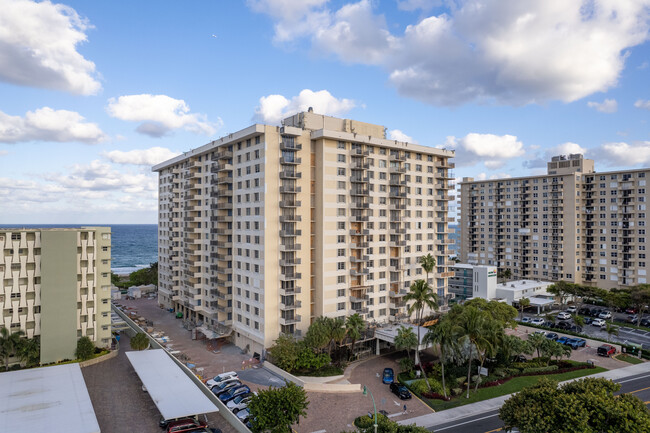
[{"x": 489, "y": 422}]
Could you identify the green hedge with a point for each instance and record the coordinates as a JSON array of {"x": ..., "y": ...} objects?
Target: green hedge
[{"x": 539, "y": 369}]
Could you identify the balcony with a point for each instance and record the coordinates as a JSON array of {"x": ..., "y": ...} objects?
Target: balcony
[
  {"x": 397, "y": 157},
  {"x": 290, "y": 233},
  {"x": 292, "y": 306},
  {"x": 289, "y": 247},
  {"x": 292, "y": 276},
  {"x": 397, "y": 244},
  {"x": 359, "y": 259},
  {"x": 290, "y": 174},
  {"x": 286, "y": 291},
  {"x": 290, "y": 262},
  {"x": 290, "y": 146},
  {"x": 290, "y": 203},
  {"x": 290, "y": 218},
  {"x": 398, "y": 294},
  {"x": 290, "y": 161},
  {"x": 354, "y": 232},
  {"x": 359, "y": 179},
  {"x": 359, "y": 191},
  {"x": 290, "y": 189},
  {"x": 358, "y": 245},
  {"x": 222, "y": 154},
  {"x": 290, "y": 320},
  {"x": 359, "y": 272},
  {"x": 393, "y": 169}
]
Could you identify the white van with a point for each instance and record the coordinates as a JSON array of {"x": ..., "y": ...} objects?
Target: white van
[{"x": 220, "y": 378}]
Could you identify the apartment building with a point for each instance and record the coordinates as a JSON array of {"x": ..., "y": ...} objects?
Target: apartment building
[
  {"x": 571, "y": 224},
  {"x": 473, "y": 281},
  {"x": 269, "y": 227},
  {"x": 56, "y": 283}
]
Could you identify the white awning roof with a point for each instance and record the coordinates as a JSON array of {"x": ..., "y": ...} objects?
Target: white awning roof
[
  {"x": 174, "y": 393},
  {"x": 534, "y": 301},
  {"x": 48, "y": 399}
]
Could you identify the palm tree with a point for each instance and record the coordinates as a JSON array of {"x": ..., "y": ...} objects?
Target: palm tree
[
  {"x": 9, "y": 343},
  {"x": 422, "y": 296},
  {"x": 611, "y": 330},
  {"x": 354, "y": 324},
  {"x": 558, "y": 350},
  {"x": 317, "y": 336},
  {"x": 578, "y": 320},
  {"x": 29, "y": 351},
  {"x": 444, "y": 333},
  {"x": 537, "y": 341},
  {"x": 405, "y": 339},
  {"x": 523, "y": 304},
  {"x": 337, "y": 331},
  {"x": 428, "y": 263},
  {"x": 140, "y": 341},
  {"x": 473, "y": 324}
]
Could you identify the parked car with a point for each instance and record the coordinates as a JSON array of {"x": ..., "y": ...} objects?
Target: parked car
[
  {"x": 588, "y": 320},
  {"x": 563, "y": 340},
  {"x": 572, "y": 309},
  {"x": 224, "y": 387},
  {"x": 243, "y": 415},
  {"x": 240, "y": 402},
  {"x": 563, "y": 315},
  {"x": 537, "y": 321},
  {"x": 540, "y": 332},
  {"x": 549, "y": 324},
  {"x": 595, "y": 312},
  {"x": 599, "y": 322},
  {"x": 563, "y": 325},
  {"x": 231, "y": 375},
  {"x": 606, "y": 350},
  {"x": 234, "y": 392},
  {"x": 645, "y": 322},
  {"x": 633, "y": 318},
  {"x": 584, "y": 311},
  {"x": 574, "y": 328},
  {"x": 400, "y": 390},
  {"x": 576, "y": 342},
  {"x": 388, "y": 376},
  {"x": 605, "y": 315},
  {"x": 552, "y": 336},
  {"x": 631, "y": 310},
  {"x": 525, "y": 319},
  {"x": 184, "y": 425}
]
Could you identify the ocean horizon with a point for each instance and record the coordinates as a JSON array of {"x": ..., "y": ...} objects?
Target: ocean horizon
[{"x": 133, "y": 246}]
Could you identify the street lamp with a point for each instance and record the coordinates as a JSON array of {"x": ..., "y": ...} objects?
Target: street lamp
[{"x": 365, "y": 392}]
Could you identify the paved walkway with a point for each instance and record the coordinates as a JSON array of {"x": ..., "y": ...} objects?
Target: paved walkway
[{"x": 449, "y": 415}]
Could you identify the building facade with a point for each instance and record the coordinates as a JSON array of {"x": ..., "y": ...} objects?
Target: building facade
[
  {"x": 473, "y": 281},
  {"x": 269, "y": 227},
  {"x": 56, "y": 284},
  {"x": 571, "y": 224}
]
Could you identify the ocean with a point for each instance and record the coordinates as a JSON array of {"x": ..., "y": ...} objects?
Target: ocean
[{"x": 133, "y": 246}]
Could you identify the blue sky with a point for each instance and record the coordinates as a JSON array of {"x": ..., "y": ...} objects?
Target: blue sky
[{"x": 93, "y": 93}]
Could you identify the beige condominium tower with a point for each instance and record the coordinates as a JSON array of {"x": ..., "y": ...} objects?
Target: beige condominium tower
[
  {"x": 56, "y": 283},
  {"x": 269, "y": 227},
  {"x": 571, "y": 224}
]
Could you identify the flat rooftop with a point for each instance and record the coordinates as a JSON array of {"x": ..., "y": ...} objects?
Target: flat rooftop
[
  {"x": 47, "y": 399},
  {"x": 521, "y": 285}
]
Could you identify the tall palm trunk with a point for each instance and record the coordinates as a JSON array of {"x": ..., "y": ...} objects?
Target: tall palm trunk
[
  {"x": 417, "y": 349},
  {"x": 442, "y": 365},
  {"x": 479, "y": 374},
  {"x": 469, "y": 369}
]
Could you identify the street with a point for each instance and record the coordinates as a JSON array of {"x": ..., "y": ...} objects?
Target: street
[{"x": 489, "y": 422}]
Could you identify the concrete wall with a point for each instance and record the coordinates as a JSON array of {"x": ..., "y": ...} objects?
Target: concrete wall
[
  {"x": 58, "y": 295},
  {"x": 315, "y": 384}
]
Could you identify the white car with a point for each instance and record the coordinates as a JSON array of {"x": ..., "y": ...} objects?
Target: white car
[
  {"x": 599, "y": 322},
  {"x": 563, "y": 316},
  {"x": 243, "y": 415},
  {"x": 238, "y": 403},
  {"x": 525, "y": 320},
  {"x": 572, "y": 309},
  {"x": 605, "y": 315},
  {"x": 220, "y": 378},
  {"x": 537, "y": 321}
]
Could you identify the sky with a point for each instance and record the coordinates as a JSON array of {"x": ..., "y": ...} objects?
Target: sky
[{"x": 92, "y": 94}]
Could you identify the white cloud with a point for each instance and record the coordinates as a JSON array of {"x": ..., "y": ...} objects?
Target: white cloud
[
  {"x": 607, "y": 106},
  {"x": 293, "y": 18},
  {"x": 643, "y": 104},
  {"x": 492, "y": 150},
  {"x": 159, "y": 114},
  {"x": 274, "y": 108},
  {"x": 506, "y": 51},
  {"x": 485, "y": 176},
  {"x": 38, "y": 47},
  {"x": 398, "y": 135},
  {"x": 151, "y": 156},
  {"x": 568, "y": 148},
  {"x": 46, "y": 124},
  {"x": 99, "y": 176},
  {"x": 4, "y": 152},
  {"x": 624, "y": 154},
  {"x": 412, "y": 5}
]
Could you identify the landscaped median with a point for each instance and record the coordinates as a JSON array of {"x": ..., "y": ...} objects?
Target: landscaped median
[{"x": 501, "y": 382}]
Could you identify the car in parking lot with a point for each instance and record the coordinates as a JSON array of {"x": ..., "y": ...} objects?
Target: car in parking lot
[
  {"x": 223, "y": 377},
  {"x": 595, "y": 312},
  {"x": 633, "y": 318},
  {"x": 563, "y": 315},
  {"x": 599, "y": 322},
  {"x": 400, "y": 390},
  {"x": 563, "y": 340},
  {"x": 388, "y": 376},
  {"x": 525, "y": 319},
  {"x": 571, "y": 309},
  {"x": 576, "y": 342},
  {"x": 243, "y": 415},
  {"x": 240, "y": 402},
  {"x": 574, "y": 328},
  {"x": 225, "y": 386},
  {"x": 234, "y": 392},
  {"x": 184, "y": 425},
  {"x": 537, "y": 321},
  {"x": 606, "y": 350},
  {"x": 563, "y": 325},
  {"x": 552, "y": 336},
  {"x": 605, "y": 315},
  {"x": 584, "y": 311},
  {"x": 631, "y": 310},
  {"x": 588, "y": 320},
  {"x": 645, "y": 322}
]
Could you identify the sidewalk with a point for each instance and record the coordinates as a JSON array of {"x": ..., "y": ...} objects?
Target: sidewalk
[{"x": 485, "y": 406}]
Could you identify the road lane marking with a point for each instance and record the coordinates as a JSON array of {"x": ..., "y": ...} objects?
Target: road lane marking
[
  {"x": 639, "y": 390},
  {"x": 636, "y": 378},
  {"x": 466, "y": 422}
]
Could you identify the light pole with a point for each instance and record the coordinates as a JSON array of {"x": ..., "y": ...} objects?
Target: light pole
[{"x": 365, "y": 392}]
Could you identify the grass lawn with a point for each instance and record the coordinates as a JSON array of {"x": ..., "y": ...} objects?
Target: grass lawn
[
  {"x": 509, "y": 387},
  {"x": 628, "y": 358}
]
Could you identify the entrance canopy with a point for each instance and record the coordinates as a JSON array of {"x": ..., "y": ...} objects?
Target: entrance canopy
[
  {"x": 174, "y": 394},
  {"x": 46, "y": 399}
]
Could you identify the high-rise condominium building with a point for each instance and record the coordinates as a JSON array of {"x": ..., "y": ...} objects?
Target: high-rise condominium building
[
  {"x": 571, "y": 224},
  {"x": 269, "y": 227},
  {"x": 56, "y": 284}
]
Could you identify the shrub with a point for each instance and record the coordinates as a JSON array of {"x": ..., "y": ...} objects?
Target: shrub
[
  {"x": 539, "y": 369},
  {"x": 364, "y": 421},
  {"x": 456, "y": 391},
  {"x": 461, "y": 380},
  {"x": 435, "y": 395},
  {"x": 85, "y": 349},
  {"x": 419, "y": 386},
  {"x": 406, "y": 364}
]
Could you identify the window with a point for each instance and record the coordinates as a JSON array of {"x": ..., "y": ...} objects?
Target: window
[
  {"x": 341, "y": 158},
  {"x": 340, "y": 306}
]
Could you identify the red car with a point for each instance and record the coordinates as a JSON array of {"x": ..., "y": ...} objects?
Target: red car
[
  {"x": 631, "y": 310},
  {"x": 606, "y": 350},
  {"x": 184, "y": 425}
]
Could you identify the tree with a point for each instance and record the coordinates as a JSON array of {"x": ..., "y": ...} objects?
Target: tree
[
  {"x": 536, "y": 341},
  {"x": 336, "y": 332},
  {"x": 487, "y": 345},
  {"x": 284, "y": 352},
  {"x": 639, "y": 298},
  {"x": 578, "y": 320},
  {"x": 29, "y": 351},
  {"x": 473, "y": 324},
  {"x": 444, "y": 333},
  {"x": 9, "y": 343},
  {"x": 523, "y": 304},
  {"x": 140, "y": 341},
  {"x": 405, "y": 339},
  {"x": 318, "y": 334},
  {"x": 586, "y": 405},
  {"x": 85, "y": 349},
  {"x": 557, "y": 350},
  {"x": 422, "y": 296},
  {"x": 354, "y": 325},
  {"x": 277, "y": 409},
  {"x": 428, "y": 263},
  {"x": 562, "y": 289},
  {"x": 611, "y": 330},
  {"x": 511, "y": 346}
]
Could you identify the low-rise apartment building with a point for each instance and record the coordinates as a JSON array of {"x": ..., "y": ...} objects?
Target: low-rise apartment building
[
  {"x": 56, "y": 284},
  {"x": 269, "y": 227},
  {"x": 572, "y": 224}
]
